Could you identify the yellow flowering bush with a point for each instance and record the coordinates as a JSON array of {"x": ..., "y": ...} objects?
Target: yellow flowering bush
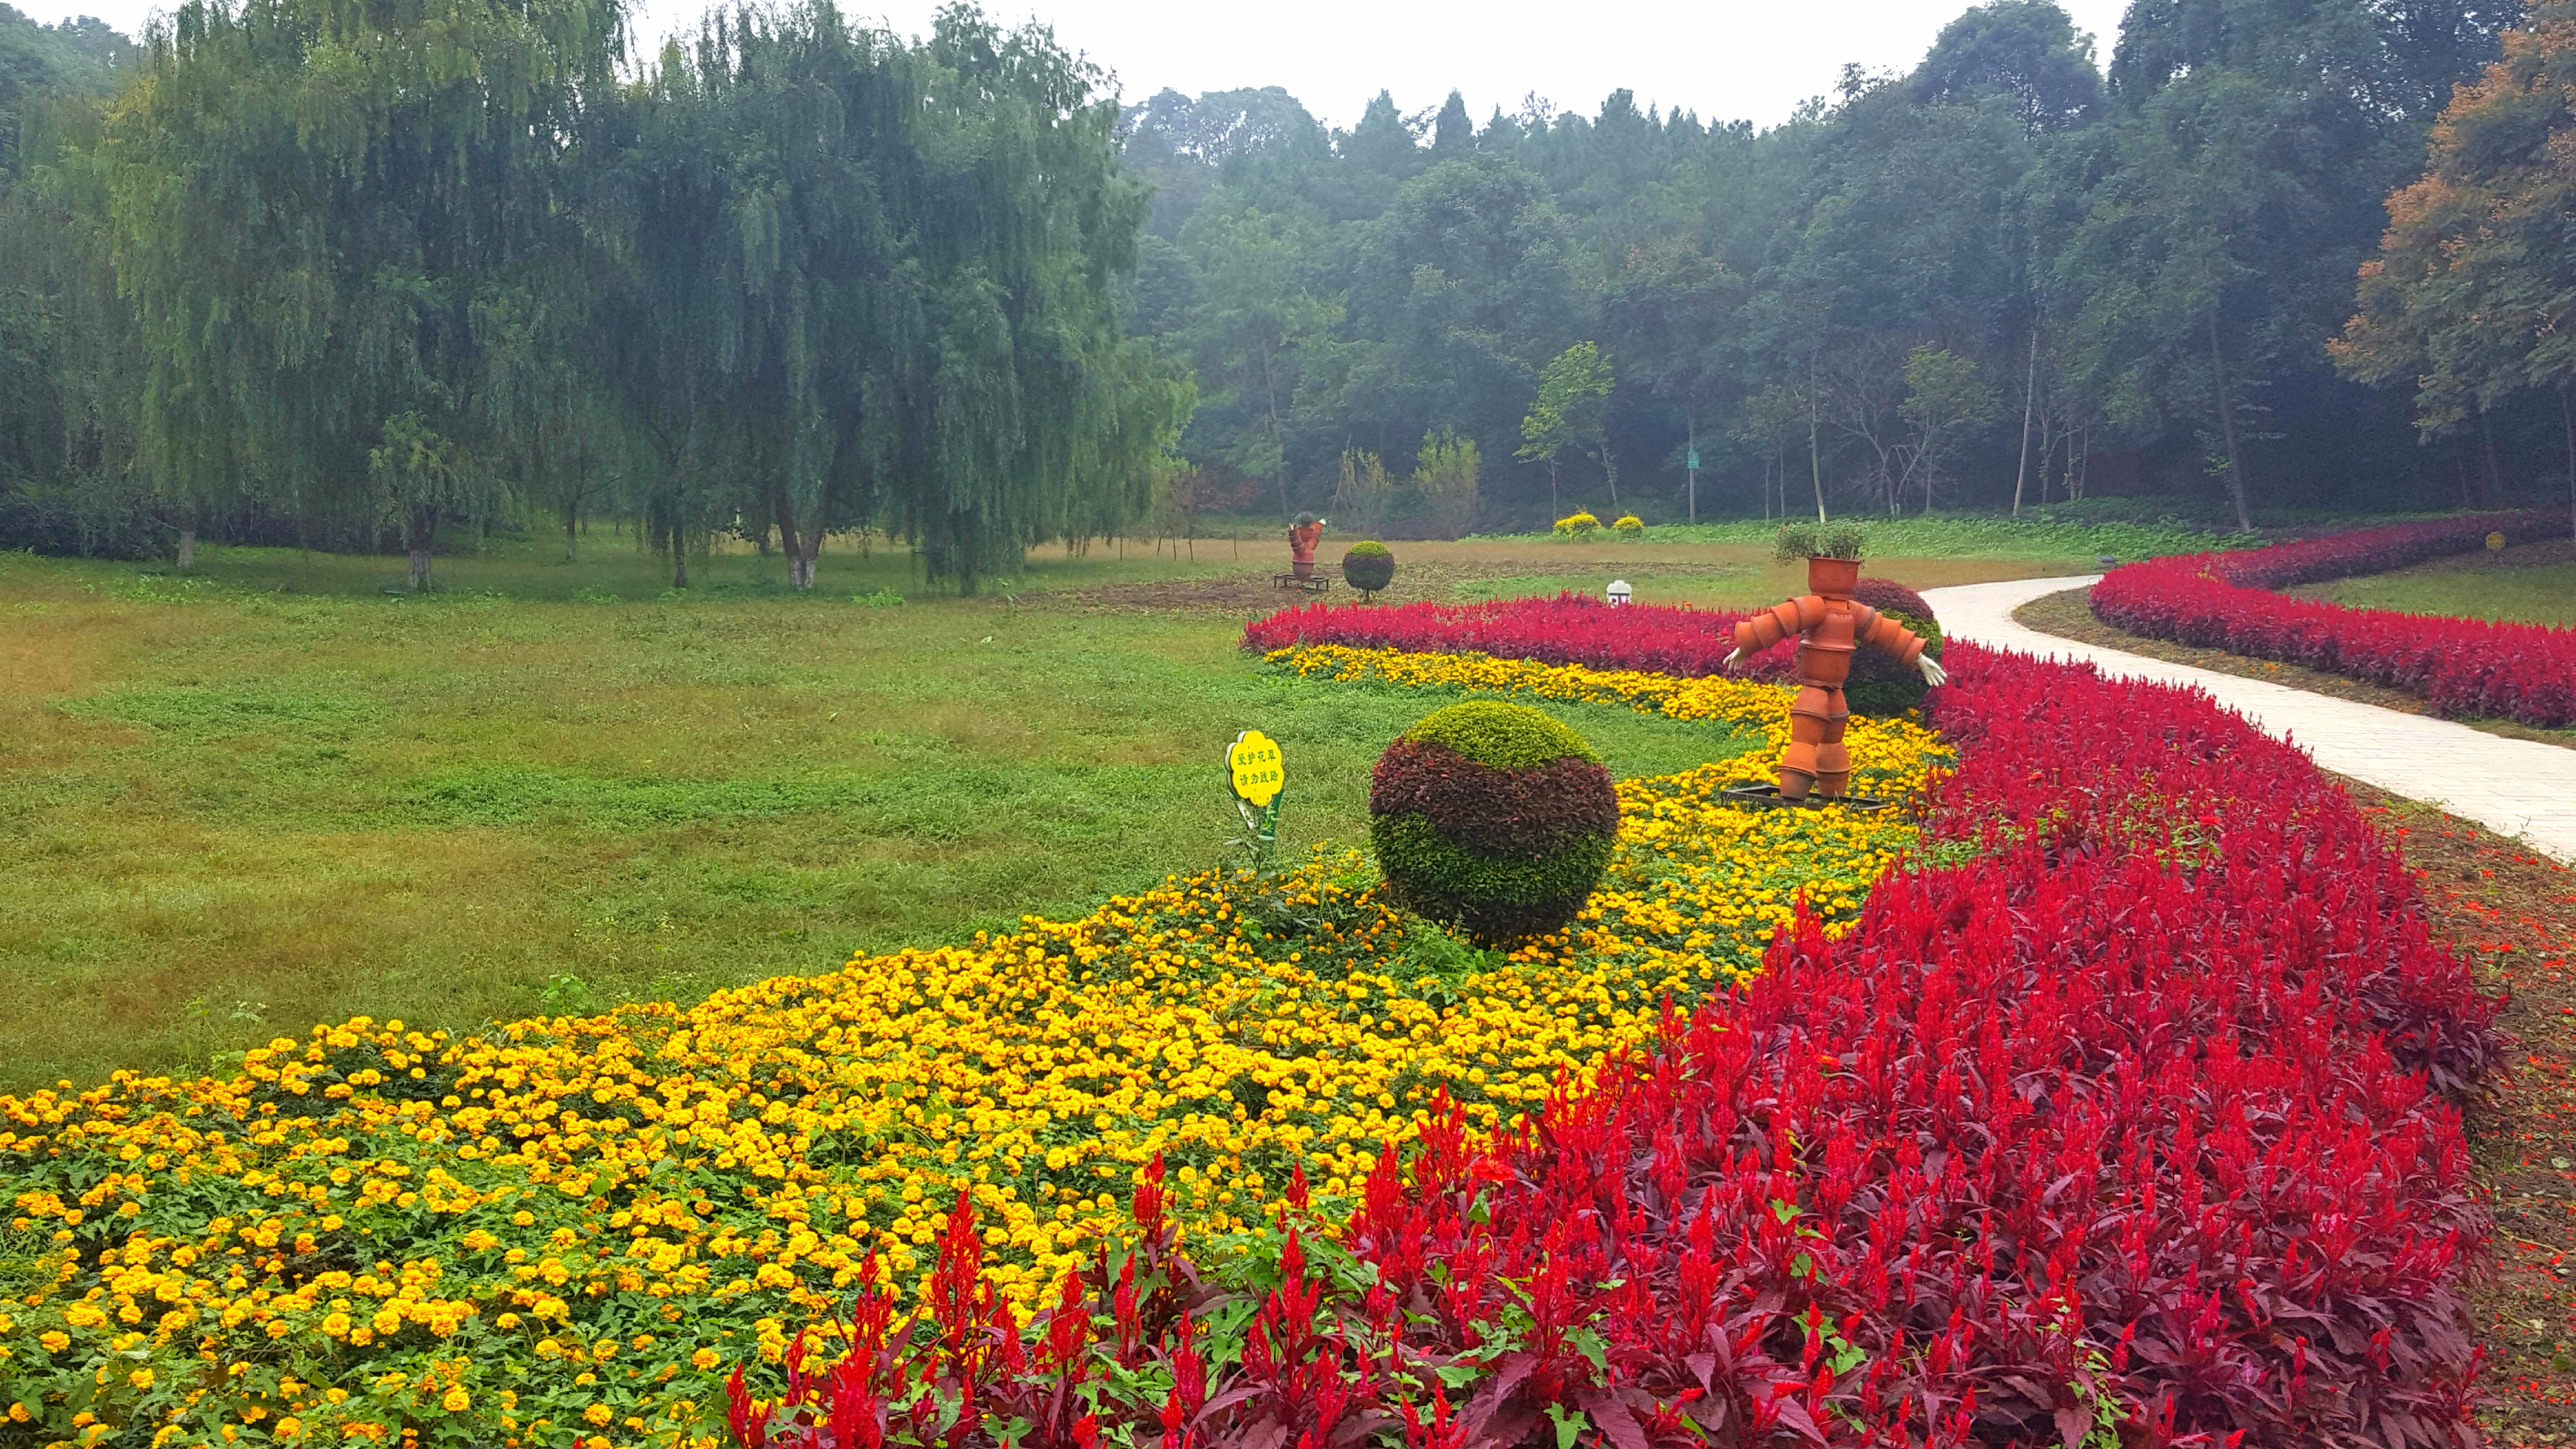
[
  {"x": 556, "y": 1231},
  {"x": 1579, "y": 524}
]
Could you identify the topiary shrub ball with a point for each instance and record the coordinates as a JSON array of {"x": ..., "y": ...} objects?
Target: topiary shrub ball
[
  {"x": 1368, "y": 567},
  {"x": 1493, "y": 818},
  {"x": 1879, "y": 685}
]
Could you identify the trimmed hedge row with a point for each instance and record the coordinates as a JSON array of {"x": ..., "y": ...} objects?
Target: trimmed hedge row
[
  {"x": 2462, "y": 666},
  {"x": 2126, "y": 1115}
]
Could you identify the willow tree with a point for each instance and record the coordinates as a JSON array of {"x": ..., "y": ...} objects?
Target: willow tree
[
  {"x": 320, "y": 209},
  {"x": 870, "y": 284}
]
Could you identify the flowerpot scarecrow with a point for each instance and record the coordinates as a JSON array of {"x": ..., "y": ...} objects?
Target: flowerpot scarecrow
[
  {"x": 1828, "y": 625},
  {"x": 1302, "y": 539}
]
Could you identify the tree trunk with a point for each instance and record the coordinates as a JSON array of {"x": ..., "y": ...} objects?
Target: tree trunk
[
  {"x": 1555, "y": 510},
  {"x": 417, "y": 539},
  {"x": 2495, "y": 477},
  {"x": 187, "y": 548},
  {"x": 2568, "y": 420},
  {"x": 760, "y": 541},
  {"x": 572, "y": 531},
  {"x": 2227, "y": 425},
  {"x": 799, "y": 546},
  {"x": 679, "y": 560},
  {"x": 2029, "y": 399},
  {"x": 1270, "y": 395},
  {"x": 1610, "y": 471},
  {"x": 1815, "y": 454}
]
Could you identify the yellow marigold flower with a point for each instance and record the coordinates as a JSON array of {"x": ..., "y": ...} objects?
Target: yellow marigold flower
[{"x": 457, "y": 1401}]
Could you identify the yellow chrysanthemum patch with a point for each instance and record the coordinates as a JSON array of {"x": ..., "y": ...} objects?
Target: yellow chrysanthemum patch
[{"x": 561, "y": 1228}]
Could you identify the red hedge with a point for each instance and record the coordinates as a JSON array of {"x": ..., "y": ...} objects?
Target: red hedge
[
  {"x": 2126, "y": 1109},
  {"x": 2463, "y": 666}
]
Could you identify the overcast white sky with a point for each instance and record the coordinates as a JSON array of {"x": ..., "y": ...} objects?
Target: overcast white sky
[{"x": 1725, "y": 59}]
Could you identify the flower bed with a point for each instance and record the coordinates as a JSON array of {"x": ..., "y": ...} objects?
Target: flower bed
[
  {"x": 2123, "y": 1117},
  {"x": 1570, "y": 628},
  {"x": 561, "y": 1230},
  {"x": 2462, "y": 666}
]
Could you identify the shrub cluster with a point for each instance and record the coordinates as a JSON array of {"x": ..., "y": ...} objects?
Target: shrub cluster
[
  {"x": 1493, "y": 817},
  {"x": 2463, "y": 666},
  {"x": 1879, "y": 685},
  {"x": 2124, "y": 1117},
  {"x": 1368, "y": 566}
]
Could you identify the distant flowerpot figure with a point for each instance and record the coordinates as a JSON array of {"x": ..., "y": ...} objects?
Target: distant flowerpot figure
[
  {"x": 1368, "y": 567},
  {"x": 1301, "y": 545},
  {"x": 1619, "y": 592}
]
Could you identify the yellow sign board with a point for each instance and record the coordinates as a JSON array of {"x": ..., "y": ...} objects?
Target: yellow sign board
[
  {"x": 2495, "y": 541},
  {"x": 1253, "y": 766}
]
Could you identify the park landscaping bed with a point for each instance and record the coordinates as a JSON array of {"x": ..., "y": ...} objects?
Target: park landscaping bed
[
  {"x": 563, "y": 1229},
  {"x": 2462, "y": 667},
  {"x": 2513, "y": 913},
  {"x": 2126, "y": 1108},
  {"x": 2069, "y": 615}
]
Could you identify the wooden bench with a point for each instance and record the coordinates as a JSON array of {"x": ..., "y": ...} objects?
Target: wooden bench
[{"x": 1319, "y": 582}]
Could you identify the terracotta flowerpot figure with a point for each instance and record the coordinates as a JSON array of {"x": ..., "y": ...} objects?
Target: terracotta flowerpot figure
[
  {"x": 1301, "y": 545},
  {"x": 1828, "y": 624}
]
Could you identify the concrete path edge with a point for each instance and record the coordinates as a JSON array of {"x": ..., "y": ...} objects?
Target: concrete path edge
[{"x": 2517, "y": 788}]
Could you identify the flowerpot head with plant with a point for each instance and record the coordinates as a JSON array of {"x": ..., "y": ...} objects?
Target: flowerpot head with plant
[{"x": 1829, "y": 624}]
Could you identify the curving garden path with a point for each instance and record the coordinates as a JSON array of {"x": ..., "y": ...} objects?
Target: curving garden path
[{"x": 2513, "y": 787}]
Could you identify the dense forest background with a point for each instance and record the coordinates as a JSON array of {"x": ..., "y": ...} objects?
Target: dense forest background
[{"x": 382, "y": 275}]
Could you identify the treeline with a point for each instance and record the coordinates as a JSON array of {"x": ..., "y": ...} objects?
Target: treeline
[
  {"x": 361, "y": 274},
  {"x": 380, "y": 274},
  {"x": 2136, "y": 270}
]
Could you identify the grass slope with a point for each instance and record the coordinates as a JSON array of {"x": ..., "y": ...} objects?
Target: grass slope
[{"x": 234, "y": 813}]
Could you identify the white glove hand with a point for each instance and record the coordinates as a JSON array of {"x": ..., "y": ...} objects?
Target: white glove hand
[
  {"x": 1731, "y": 660},
  {"x": 1933, "y": 673}
]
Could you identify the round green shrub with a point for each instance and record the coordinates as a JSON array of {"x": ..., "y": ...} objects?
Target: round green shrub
[
  {"x": 1368, "y": 567},
  {"x": 1493, "y": 818},
  {"x": 1880, "y": 686}
]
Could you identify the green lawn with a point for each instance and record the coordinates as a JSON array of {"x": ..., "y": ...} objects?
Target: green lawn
[
  {"x": 2522, "y": 594},
  {"x": 275, "y": 795}
]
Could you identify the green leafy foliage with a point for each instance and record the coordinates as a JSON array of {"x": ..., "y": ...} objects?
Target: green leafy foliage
[
  {"x": 1500, "y": 734},
  {"x": 1495, "y": 900},
  {"x": 1369, "y": 566},
  {"x": 1492, "y": 817},
  {"x": 1820, "y": 540},
  {"x": 1878, "y": 684}
]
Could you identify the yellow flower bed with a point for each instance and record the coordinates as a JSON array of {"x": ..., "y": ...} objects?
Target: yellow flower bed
[{"x": 561, "y": 1231}]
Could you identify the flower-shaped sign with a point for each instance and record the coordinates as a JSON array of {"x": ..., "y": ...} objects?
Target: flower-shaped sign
[{"x": 1253, "y": 768}]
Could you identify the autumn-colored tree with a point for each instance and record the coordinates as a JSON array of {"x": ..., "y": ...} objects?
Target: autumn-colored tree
[{"x": 2473, "y": 293}]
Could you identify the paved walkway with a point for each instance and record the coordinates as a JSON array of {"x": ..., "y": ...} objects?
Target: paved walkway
[{"x": 2513, "y": 787}]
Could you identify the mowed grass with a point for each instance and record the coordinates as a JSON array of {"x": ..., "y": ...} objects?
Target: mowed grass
[
  {"x": 2506, "y": 592},
  {"x": 231, "y": 810}
]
